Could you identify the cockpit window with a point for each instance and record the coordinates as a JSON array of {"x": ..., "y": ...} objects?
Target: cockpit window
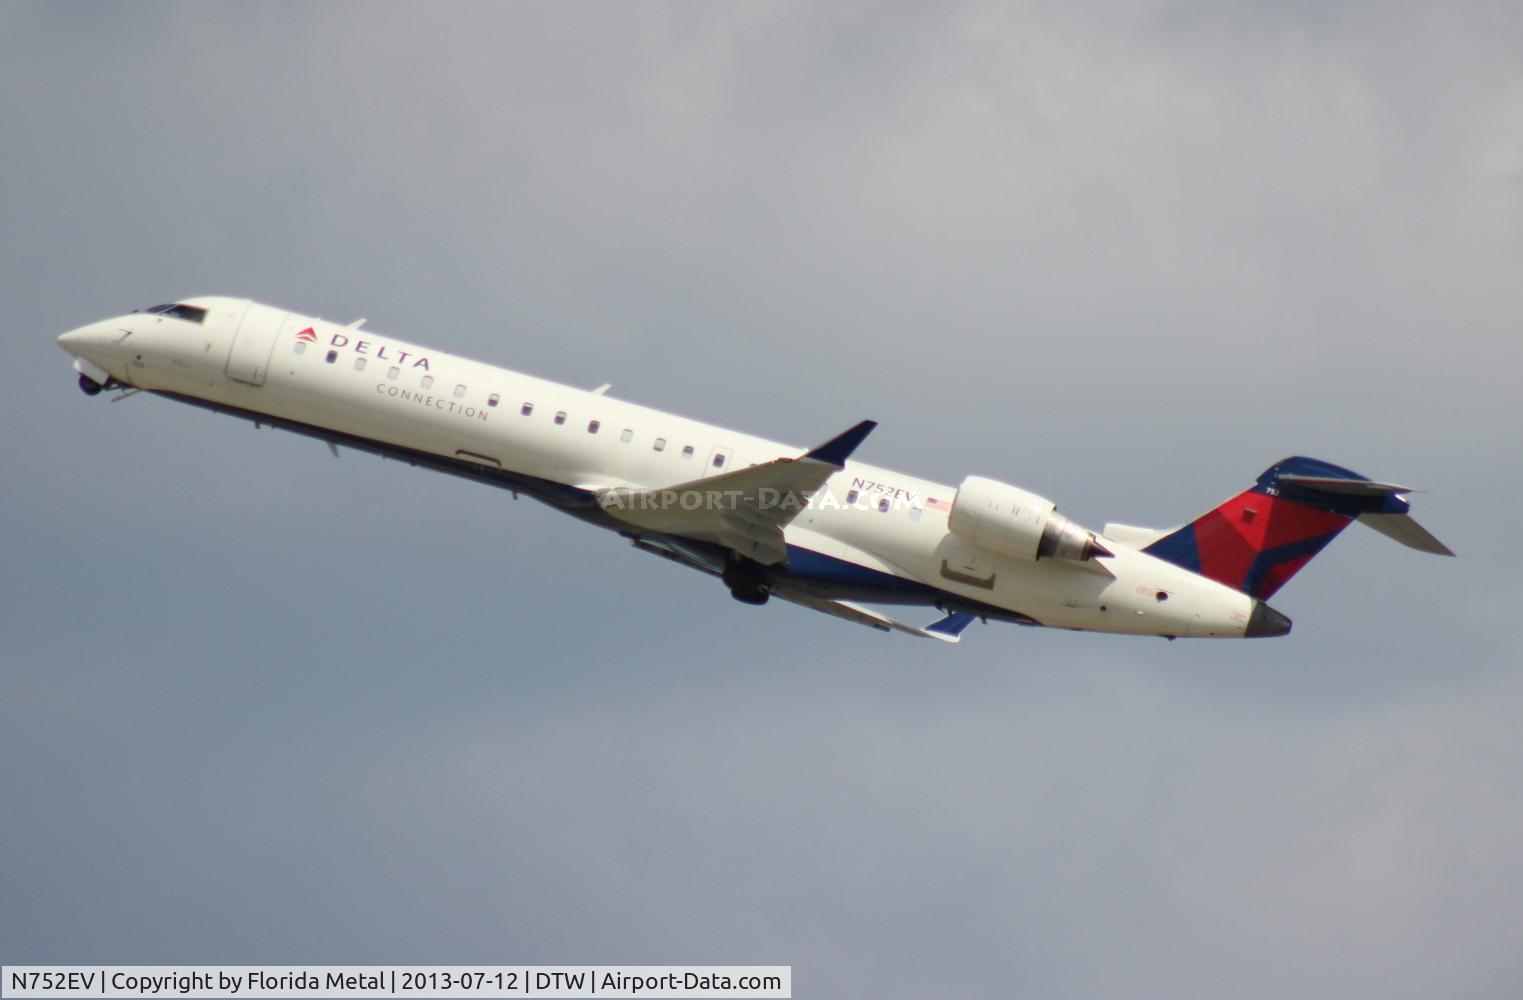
[{"x": 191, "y": 314}]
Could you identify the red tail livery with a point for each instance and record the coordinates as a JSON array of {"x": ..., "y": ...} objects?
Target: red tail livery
[{"x": 1262, "y": 537}]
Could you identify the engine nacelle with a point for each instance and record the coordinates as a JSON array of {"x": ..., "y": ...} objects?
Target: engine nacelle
[{"x": 1008, "y": 520}]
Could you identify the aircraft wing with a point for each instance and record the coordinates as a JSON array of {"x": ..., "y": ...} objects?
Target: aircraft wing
[
  {"x": 948, "y": 629},
  {"x": 745, "y": 510}
]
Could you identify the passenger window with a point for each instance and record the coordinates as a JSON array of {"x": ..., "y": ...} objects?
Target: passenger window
[
  {"x": 332, "y": 357},
  {"x": 687, "y": 451},
  {"x": 428, "y": 381},
  {"x": 359, "y": 364},
  {"x": 492, "y": 399},
  {"x": 627, "y": 436},
  {"x": 526, "y": 409},
  {"x": 560, "y": 418},
  {"x": 393, "y": 372},
  {"x": 883, "y": 506},
  {"x": 851, "y": 498},
  {"x": 718, "y": 462},
  {"x": 300, "y": 347},
  {"x": 660, "y": 444},
  {"x": 592, "y": 426},
  {"x": 459, "y": 392}
]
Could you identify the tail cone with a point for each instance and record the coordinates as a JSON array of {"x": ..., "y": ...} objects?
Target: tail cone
[{"x": 1266, "y": 623}]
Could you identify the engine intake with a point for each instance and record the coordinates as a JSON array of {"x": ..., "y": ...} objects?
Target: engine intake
[{"x": 1013, "y": 522}]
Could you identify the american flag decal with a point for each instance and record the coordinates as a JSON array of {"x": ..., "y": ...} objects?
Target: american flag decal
[
  {"x": 936, "y": 504},
  {"x": 308, "y": 336}
]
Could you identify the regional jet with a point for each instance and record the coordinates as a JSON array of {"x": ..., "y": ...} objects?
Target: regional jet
[{"x": 813, "y": 527}]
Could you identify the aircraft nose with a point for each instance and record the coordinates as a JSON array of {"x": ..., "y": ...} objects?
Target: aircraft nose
[
  {"x": 73, "y": 341},
  {"x": 1266, "y": 623},
  {"x": 94, "y": 339}
]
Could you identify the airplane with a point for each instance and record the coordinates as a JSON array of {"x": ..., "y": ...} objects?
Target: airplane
[{"x": 813, "y": 527}]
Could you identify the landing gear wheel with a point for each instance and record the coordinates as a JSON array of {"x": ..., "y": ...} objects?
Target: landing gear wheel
[
  {"x": 89, "y": 386},
  {"x": 747, "y": 582}
]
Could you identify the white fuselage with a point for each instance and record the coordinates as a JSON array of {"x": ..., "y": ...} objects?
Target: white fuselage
[{"x": 357, "y": 386}]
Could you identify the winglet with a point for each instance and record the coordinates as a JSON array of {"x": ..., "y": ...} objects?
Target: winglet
[
  {"x": 839, "y": 448},
  {"x": 948, "y": 629},
  {"x": 951, "y": 627}
]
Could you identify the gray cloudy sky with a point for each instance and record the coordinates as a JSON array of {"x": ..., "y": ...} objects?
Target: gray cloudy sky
[{"x": 261, "y": 706}]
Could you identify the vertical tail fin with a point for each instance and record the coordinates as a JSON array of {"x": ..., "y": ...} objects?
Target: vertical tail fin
[{"x": 1262, "y": 537}]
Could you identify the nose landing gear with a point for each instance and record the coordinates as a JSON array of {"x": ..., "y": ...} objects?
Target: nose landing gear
[{"x": 90, "y": 387}]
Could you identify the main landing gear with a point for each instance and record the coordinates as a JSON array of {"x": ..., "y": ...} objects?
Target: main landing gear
[{"x": 747, "y": 580}]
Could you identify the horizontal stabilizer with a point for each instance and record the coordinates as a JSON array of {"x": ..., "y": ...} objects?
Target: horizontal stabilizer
[
  {"x": 1346, "y": 487},
  {"x": 1402, "y": 528}
]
